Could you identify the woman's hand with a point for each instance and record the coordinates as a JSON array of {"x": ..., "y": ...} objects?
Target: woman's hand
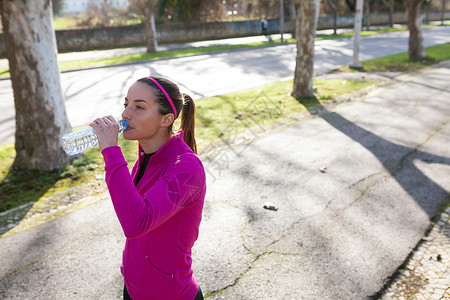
[{"x": 107, "y": 130}]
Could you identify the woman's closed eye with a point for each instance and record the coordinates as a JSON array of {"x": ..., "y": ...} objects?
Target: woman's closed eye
[{"x": 125, "y": 105}]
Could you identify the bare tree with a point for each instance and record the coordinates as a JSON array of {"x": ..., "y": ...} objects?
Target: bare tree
[
  {"x": 443, "y": 12},
  {"x": 97, "y": 15},
  {"x": 427, "y": 6},
  {"x": 306, "y": 35},
  {"x": 147, "y": 8},
  {"x": 391, "y": 13},
  {"x": 41, "y": 117},
  {"x": 367, "y": 13},
  {"x": 317, "y": 12},
  {"x": 243, "y": 7},
  {"x": 335, "y": 7},
  {"x": 293, "y": 16},
  {"x": 416, "y": 48}
]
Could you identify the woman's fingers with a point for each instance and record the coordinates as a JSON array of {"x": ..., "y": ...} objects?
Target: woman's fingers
[
  {"x": 104, "y": 122},
  {"x": 106, "y": 129}
]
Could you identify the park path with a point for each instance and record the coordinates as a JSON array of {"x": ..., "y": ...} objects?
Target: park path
[{"x": 355, "y": 186}]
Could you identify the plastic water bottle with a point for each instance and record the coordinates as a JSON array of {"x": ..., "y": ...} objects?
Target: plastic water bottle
[{"x": 82, "y": 139}]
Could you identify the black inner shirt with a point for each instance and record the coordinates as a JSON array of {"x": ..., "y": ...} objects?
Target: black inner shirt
[{"x": 143, "y": 167}]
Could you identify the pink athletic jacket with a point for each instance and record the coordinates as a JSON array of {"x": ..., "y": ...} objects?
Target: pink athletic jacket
[{"x": 160, "y": 219}]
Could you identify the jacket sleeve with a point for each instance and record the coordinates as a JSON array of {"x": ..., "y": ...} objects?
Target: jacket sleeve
[{"x": 180, "y": 185}]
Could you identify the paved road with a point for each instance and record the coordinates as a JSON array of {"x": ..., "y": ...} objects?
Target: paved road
[
  {"x": 89, "y": 93},
  {"x": 335, "y": 235}
]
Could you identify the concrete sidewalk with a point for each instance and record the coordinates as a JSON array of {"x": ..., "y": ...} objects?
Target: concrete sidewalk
[{"x": 355, "y": 186}]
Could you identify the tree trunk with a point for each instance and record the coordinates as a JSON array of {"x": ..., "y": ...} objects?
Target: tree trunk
[
  {"x": 391, "y": 13},
  {"x": 293, "y": 16},
  {"x": 367, "y": 13},
  {"x": 306, "y": 35},
  {"x": 357, "y": 34},
  {"x": 427, "y": 15},
  {"x": 41, "y": 117},
  {"x": 443, "y": 12},
  {"x": 282, "y": 20},
  {"x": 317, "y": 13},
  {"x": 147, "y": 8},
  {"x": 150, "y": 29},
  {"x": 335, "y": 6},
  {"x": 416, "y": 49},
  {"x": 335, "y": 16}
]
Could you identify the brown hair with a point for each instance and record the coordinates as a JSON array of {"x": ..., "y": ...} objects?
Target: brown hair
[{"x": 183, "y": 103}]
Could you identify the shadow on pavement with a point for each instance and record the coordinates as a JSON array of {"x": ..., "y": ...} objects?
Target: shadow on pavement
[{"x": 414, "y": 182}]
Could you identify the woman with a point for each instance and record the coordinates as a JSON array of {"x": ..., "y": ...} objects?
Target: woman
[{"x": 160, "y": 204}]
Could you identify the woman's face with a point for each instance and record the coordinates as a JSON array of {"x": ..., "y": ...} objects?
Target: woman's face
[{"x": 141, "y": 112}]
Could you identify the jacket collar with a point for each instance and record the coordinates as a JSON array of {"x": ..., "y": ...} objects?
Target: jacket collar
[{"x": 171, "y": 148}]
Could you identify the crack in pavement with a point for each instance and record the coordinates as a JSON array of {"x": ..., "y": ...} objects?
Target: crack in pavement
[
  {"x": 258, "y": 256},
  {"x": 389, "y": 174},
  {"x": 236, "y": 281}
]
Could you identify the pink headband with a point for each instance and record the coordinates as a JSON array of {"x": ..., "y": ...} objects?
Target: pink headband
[{"x": 165, "y": 94}]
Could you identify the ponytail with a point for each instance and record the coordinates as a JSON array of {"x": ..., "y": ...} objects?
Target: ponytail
[{"x": 188, "y": 122}]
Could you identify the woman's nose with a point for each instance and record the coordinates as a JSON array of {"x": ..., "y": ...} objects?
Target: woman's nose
[{"x": 125, "y": 114}]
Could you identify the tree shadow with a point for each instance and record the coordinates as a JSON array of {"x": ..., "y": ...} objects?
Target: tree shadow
[
  {"x": 20, "y": 190},
  {"x": 397, "y": 159}
]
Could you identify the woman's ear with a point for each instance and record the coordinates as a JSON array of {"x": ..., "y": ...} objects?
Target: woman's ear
[{"x": 167, "y": 120}]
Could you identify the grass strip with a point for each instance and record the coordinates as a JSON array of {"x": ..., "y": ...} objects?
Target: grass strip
[
  {"x": 144, "y": 56},
  {"x": 402, "y": 63}
]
